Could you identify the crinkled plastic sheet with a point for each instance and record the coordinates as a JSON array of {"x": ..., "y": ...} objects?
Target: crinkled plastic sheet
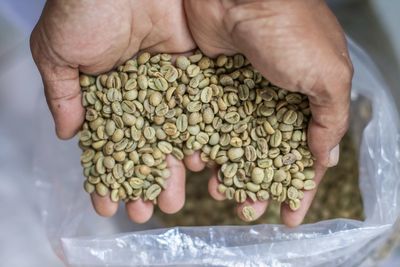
[{"x": 81, "y": 238}]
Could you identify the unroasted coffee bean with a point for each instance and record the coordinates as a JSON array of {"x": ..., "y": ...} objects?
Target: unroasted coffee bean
[
  {"x": 101, "y": 189},
  {"x": 234, "y": 154},
  {"x": 136, "y": 183},
  {"x": 279, "y": 175},
  {"x": 165, "y": 147},
  {"x": 109, "y": 162},
  {"x": 262, "y": 195},
  {"x": 229, "y": 170},
  {"x": 114, "y": 195},
  {"x": 182, "y": 62},
  {"x": 257, "y": 175},
  {"x": 248, "y": 213},
  {"x": 252, "y": 187},
  {"x": 153, "y": 191},
  {"x": 229, "y": 193},
  {"x": 309, "y": 173},
  {"x": 309, "y": 185},
  {"x": 240, "y": 196},
  {"x": 89, "y": 187},
  {"x": 294, "y": 204}
]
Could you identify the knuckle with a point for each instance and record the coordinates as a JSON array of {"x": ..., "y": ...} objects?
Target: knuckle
[
  {"x": 344, "y": 72},
  {"x": 342, "y": 128},
  {"x": 342, "y": 125},
  {"x": 230, "y": 19},
  {"x": 333, "y": 88}
]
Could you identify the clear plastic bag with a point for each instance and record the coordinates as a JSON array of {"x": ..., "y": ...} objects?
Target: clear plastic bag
[{"x": 81, "y": 238}]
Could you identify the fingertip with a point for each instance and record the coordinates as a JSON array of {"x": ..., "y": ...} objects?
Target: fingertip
[
  {"x": 171, "y": 206},
  {"x": 172, "y": 199},
  {"x": 291, "y": 218},
  {"x": 61, "y": 135},
  {"x": 324, "y": 139},
  {"x": 318, "y": 145},
  {"x": 68, "y": 117},
  {"x": 103, "y": 205},
  {"x": 65, "y": 134},
  {"x": 139, "y": 211},
  {"x": 194, "y": 162},
  {"x": 64, "y": 97}
]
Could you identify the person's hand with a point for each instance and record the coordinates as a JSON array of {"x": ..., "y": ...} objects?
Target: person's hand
[
  {"x": 93, "y": 37},
  {"x": 297, "y": 45},
  {"x": 81, "y": 35}
]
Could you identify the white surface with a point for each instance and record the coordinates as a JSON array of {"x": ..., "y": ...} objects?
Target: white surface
[{"x": 22, "y": 239}]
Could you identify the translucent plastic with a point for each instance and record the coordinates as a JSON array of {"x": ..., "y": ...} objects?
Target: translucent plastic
[{"x": 81, "y": 238}]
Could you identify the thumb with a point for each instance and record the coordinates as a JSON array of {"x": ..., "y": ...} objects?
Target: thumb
[
  {"x": 63, "y": 94},
  {"x": 329, "y": 122}
]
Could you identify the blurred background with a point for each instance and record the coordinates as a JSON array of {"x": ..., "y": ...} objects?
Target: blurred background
[{"x": 374, "y": 25}]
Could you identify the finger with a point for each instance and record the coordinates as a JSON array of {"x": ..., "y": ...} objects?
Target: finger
[
  {"x": 220, "y": 41},
  {"x": 213, "y": 185},
  {"x": 180, "y": 41},
  {"x": 325, "y": 131},
  {"x": 330, "y": 108},
  {"x": 194, "y": 163},
  {"x": 63, "y": 93},
  {"x": 172, "y": 199},
  {"x": 139, "y": 211},
  {"x": 250, "y": 211},
  {"x": 294, "y": 218},
  {"x": 63, "y": 96},
  {"x": 103, "y": 205}
]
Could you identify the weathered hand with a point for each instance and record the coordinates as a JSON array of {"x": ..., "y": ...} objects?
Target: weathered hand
[
  {"x": 297, "y": 45},
  {"x": 93, "y": 37}
]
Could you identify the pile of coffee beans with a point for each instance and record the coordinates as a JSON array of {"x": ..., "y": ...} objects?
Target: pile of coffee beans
[{"x": 152, "y": 106}]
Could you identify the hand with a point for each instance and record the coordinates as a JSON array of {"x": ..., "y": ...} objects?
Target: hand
[
  {"x": 297, "y": 45},
  {"x": 93, "y": 37}
]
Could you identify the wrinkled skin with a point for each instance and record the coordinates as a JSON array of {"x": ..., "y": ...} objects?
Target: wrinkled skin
[{"x": 297, "y": 45}]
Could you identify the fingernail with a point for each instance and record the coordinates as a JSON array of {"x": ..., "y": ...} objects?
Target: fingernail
[{"x": 333, "y": 156}]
